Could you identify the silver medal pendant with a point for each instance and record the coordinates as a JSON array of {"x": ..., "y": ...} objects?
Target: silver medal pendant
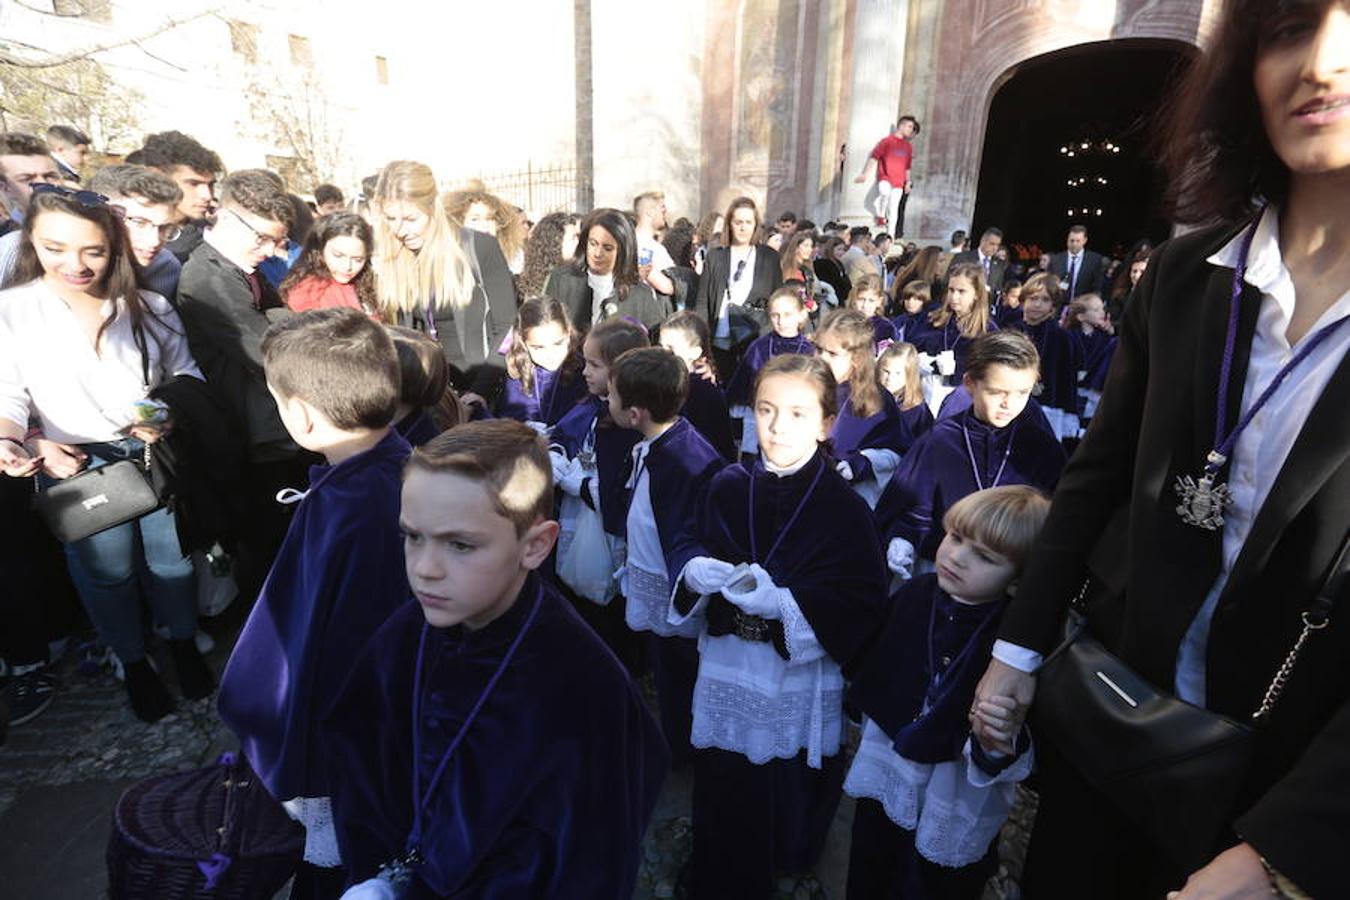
[{"x": 1203, "y": 501}]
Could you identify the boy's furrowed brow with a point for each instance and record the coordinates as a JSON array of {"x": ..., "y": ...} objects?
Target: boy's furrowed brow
[{"x": 455, "y": 533}]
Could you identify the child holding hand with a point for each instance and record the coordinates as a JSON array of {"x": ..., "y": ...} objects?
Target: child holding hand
[{"x": 932, "y": 797}]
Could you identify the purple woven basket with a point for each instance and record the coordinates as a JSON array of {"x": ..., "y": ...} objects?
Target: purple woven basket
[{"x": 212, "y": 833}]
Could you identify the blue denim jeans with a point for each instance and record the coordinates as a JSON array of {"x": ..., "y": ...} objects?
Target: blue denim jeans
[{"x": 113, "y": 569}]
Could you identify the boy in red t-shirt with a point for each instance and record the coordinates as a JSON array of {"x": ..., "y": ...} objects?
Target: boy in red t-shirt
[{"x": 892, "y": 156}]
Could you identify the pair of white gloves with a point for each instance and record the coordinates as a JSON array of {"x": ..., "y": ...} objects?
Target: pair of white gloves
[
  {"x": 748, "y": 587},
  {"x": 568, "y": 474}
]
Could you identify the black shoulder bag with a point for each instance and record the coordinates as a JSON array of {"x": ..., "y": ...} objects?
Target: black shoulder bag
[
  {"x": 98, "y": 499},
  {"x": 1171, "y": 768}
]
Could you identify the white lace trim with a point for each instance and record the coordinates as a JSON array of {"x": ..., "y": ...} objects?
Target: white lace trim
[
  {"x": 647, "y": 604},
  {"x": 316, "y": 814},
  {"x": 802, "y": 645},
  {"x": 749, "y": 700},
  {"x": 954, "y": 808}
]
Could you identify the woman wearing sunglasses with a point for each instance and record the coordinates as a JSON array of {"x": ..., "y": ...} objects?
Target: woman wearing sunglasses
[
  {"x": 738, "y": 278},
  {"x": 81, "y": 348}
]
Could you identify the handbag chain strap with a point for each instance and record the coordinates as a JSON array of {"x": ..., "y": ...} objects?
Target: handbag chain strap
[{"x": 1315, "y": 618}]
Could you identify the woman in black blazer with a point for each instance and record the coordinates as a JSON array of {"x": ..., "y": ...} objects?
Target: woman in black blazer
[
  {"x": 449, "y": 282},
  {"x": 738, "y": 258},
  {"x": 605, "y": 263},
  {"x": 1211, "y": 614}
]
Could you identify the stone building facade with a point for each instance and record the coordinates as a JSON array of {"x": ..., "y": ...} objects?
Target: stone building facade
[{"x": 705, "y": 99}]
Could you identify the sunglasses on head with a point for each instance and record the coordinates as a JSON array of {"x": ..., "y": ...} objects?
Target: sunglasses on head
[{"x": 87, "y": 199}]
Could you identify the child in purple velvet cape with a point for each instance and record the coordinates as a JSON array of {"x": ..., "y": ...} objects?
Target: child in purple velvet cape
[{"x": 339, "y": 573}]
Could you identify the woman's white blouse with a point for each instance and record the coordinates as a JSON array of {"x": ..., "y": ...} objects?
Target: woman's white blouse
[{"x": 50, "y": 372}]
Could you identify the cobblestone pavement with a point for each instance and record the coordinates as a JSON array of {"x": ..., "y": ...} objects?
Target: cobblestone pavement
[{"x": 61, "y": 774}]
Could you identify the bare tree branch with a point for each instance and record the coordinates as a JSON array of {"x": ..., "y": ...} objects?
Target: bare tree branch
[{"x": 8, "y": 58}]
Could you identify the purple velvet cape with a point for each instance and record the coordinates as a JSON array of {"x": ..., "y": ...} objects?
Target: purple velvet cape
[
  {"x": 918, "y": 419},
  {"x": 909, "y": 325},
  {"x": 933, "y": 340},
  {"x": 1096, "y": 351},
  {"x": 1060, "y": 362},
  {"x": 554, "y": 395},
  {"x": 883, "y": 430},
  {"x": 551, "y": 789},
  {"x": 882, "y": 329},
  {"x": 762, "y": 349},
  {"x": 894, "y": 677},
  {"x": 830, "y": 558},
  {"x": 417, "y": 427},
  {"x": 613, "y": 449},
  {"x": 680, "y": 466},
  {"x": 937, "y": 472},
  {"x": 1008, "y": 316},
  {"x": 706, "y": 410},
  {"x": 338, "y": 576}
]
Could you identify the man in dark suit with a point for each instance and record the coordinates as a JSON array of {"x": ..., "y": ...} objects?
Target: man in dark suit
[
  {"x": 1080, "y": 271},
  {"x": 224, "y": 303},
  {"x": 986, "y": 257}
]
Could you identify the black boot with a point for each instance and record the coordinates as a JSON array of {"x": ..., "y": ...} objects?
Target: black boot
[
  {"x": 149, "y": 699},
  {"x": 194, "y": 675}
]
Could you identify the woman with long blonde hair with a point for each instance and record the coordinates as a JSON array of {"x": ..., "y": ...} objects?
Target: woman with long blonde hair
[{"x": 449, "y": 282}]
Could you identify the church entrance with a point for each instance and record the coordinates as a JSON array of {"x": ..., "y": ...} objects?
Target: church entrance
[{"x": 1068, "y": 142}]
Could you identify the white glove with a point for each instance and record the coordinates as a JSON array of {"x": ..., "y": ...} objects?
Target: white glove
[
  {"x": 759, "y": 598},
  {"x": 371, "y": 889},
  {"x": 567, "y": 474},
  {"x": 900, "y": 558},
  {"x": 844, "y": 469},
  {"x": 541, "y": 427},
  {"x": 558, "y": 459},
  {"x": 705, "y": 575}
]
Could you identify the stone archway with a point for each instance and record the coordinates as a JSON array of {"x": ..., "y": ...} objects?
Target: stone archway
[
  {"x": 1083, "y": 158},
  {"x": 977, "y": 47}
]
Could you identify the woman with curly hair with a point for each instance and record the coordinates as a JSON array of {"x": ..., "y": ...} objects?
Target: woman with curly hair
[
  {"x": 334, "y": 268},
  {"x": 553, "y": 240},
  {"x": 478, "y": 210}
]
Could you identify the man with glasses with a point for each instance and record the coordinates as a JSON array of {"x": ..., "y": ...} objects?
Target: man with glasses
[
  {"x": 224, "y": 303},
  {"x": 149, "y": 204}
]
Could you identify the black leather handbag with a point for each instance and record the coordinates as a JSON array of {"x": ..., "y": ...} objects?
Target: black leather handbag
[
  {"x": 1172, "y": 768},
  {"x": 97, "y": 499}
]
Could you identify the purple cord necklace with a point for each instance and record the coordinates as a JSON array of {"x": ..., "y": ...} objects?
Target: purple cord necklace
[
  {"x": 422, "y": 800},
  {"x": 792, "y": 520},
  {"x": 1204, "y": 500},
  {"x": 975, "y": 469}
]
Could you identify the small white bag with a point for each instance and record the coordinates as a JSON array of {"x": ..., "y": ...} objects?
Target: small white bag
[{"x": 585, "y": 563}]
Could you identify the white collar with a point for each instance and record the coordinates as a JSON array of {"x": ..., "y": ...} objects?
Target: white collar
[
  {"x": 785, "y": 471},
  {"x": 1267, "y": 273},
  {"x": 1265, "y": 263}
]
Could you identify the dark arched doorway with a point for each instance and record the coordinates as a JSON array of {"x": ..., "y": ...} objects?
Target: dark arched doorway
[{"x": 1067, "y": 141}]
